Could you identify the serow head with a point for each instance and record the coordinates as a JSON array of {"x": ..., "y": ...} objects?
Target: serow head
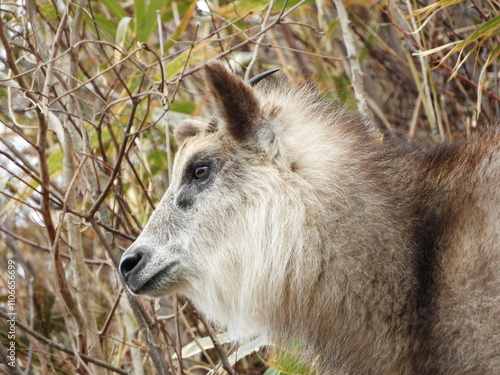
[{"x": 212, "y": 221}]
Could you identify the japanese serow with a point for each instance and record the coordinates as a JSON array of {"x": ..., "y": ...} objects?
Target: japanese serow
[{"x": 291, "y": 219}]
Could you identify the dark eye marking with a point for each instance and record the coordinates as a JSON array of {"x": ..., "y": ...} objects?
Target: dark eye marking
[{"x": 201, "y": 172}]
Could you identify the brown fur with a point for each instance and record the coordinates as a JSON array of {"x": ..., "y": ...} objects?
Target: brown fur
[{"x": 378, "y": 258}]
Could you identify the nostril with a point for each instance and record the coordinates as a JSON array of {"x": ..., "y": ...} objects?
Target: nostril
[{"x": 128, "y": 263}]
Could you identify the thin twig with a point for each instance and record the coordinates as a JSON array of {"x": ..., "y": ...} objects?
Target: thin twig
[
  {"x": 299, "y": 51},
  {"x": 32, "y": 324},
  {"x": 180, "y": 313},
  {"x": 434, "y": 58},
  {"x": 41, "y": 136},
  {"x": 32, "y": 244},
  {"x": 50, "y": 66},
  {"x": 130, "y": 55},
  {"x": 178, "y": 342},
  {"x": 242, "y": 44},
  {"x": 146, "y": 324},
  {"x": 255, "y": 53},
  {"x": 117, "y": 167},
  {"x": 218, "y": 347},
  {"x": 109, "y": 318},
  {"x": 60, "y": 276},
  {"x": 63, "y": 348}
]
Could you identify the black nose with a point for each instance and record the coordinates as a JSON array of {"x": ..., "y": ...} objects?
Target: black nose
[{"x": 129, "y": 262}]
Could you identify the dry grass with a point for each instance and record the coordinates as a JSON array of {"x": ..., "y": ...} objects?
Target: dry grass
[{"x": 89, "y": 91}]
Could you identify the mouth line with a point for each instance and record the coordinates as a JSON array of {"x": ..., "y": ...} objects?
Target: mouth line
[{"x": 157, "y": 279}]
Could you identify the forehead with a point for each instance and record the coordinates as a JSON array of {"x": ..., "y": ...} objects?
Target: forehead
[{"x": 210, "y": 145}]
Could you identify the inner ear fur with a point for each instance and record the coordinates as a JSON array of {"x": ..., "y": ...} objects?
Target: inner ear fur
[
  {"x": 235, "y": 102},
  {"x": 188, "y": 128}
]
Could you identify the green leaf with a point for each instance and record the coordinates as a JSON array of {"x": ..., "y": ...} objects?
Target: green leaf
[
  {"x": 115, "y": 7},
  {"x": 258, "y": 6},
  {"x": 288, "y": 361},
  {"x": 139, "y": 12},
  {"x": 485, "y": 30},
  {"x": 157, "y": 160},
  {"x": 199, "y": 53},
  {"x": 54, "y": 162},
  {"x": 148, "y": 23},
  {"x": 183, "y": 106},
  {"x": 121, "y": 31},
  {"x": 433, "y": 8},
  {"x": 181, "y": 28},
  {"x": 103, "y": 23}
]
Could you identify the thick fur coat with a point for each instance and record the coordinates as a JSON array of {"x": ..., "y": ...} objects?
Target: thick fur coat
[{"x": 293, "y": 221}]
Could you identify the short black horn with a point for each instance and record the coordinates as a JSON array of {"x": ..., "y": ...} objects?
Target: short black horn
[{"x": 259, "y": 77}]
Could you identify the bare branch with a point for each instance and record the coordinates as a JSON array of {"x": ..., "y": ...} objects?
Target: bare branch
[
  {"x": 353, "y": 59},
  {"x": 63, "y": 348}
]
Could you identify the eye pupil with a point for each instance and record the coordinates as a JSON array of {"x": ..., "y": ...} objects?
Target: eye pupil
[{"x": 201, "y": 172}]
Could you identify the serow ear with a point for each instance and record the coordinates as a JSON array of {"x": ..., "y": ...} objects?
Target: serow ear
[
  {"x": 188, "y": 128},
  {"x": 236, "y": 104}
]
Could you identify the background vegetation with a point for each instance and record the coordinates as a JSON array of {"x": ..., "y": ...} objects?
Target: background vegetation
[{"x": 89, "y": 94}]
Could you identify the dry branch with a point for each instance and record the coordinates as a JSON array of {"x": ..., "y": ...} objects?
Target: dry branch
[
  {"x": 353, "y": 59},
  {"x": 63, "y": 348}
]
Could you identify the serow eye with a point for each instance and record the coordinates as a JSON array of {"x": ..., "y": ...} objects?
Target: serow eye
[{"x": 201, "y": 172}]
